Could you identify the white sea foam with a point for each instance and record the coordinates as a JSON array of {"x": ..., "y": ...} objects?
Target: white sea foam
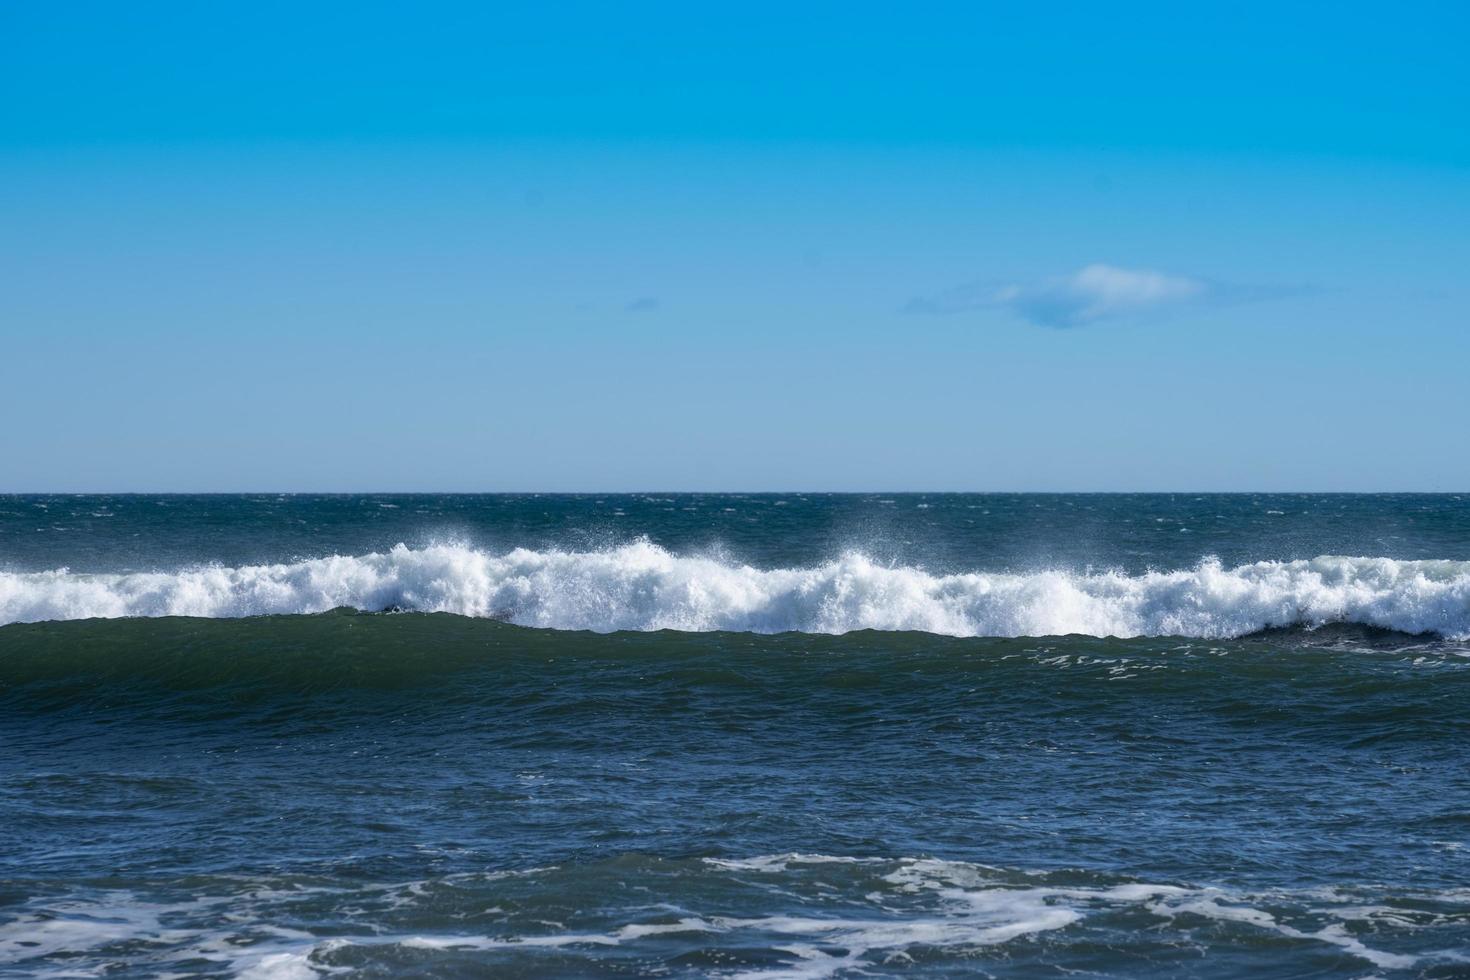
[
  {"x": 908, "y": 904},
  {"x": 641, "y": 586}
]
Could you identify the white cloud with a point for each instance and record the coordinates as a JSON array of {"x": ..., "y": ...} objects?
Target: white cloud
[
  {"x": 1092, "y": 293},
  {"x": 1097, "y": 292}
]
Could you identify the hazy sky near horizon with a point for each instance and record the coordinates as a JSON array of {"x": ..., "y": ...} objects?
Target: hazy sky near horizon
[{"x": 829, "y": 246}]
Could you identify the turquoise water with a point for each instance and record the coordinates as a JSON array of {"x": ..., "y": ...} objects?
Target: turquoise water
[{"x": 735, "y": 735}]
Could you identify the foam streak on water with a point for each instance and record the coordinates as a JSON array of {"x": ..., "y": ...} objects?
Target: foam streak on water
[
  {"x": 641, "y": 586},
  {"x": 844, "y": 916}
]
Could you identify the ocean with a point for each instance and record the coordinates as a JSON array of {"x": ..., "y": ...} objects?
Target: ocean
[{"x": 735, "y": 735}]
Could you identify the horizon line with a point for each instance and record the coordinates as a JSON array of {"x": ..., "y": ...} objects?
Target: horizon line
[{"x": 686, "y": 492}]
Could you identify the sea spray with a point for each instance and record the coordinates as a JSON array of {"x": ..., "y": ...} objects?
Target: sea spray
[{"x": 641, "y": 586}]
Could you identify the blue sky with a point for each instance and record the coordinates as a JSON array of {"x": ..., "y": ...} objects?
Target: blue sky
[{"x": 602, "y": 247}]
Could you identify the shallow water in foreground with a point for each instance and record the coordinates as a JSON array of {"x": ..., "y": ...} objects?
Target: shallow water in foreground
[{"x": 411, "y": 793}]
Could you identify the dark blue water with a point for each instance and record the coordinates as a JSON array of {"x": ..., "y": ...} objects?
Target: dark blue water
[
  {"x": 1247, "y": 755},
  {"x": 942, "y": 532}
]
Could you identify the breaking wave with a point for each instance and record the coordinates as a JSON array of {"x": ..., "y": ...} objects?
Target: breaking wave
[{"x": 641, "y": 586}]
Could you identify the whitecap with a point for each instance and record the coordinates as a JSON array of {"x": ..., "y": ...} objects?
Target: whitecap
[{"x": 640, "y": 586}]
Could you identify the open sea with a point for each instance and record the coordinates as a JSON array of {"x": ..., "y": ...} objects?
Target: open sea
[{"x": 738, "y": 735}]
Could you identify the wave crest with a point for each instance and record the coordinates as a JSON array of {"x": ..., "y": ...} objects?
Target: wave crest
[{"x": 641, "y": 586}]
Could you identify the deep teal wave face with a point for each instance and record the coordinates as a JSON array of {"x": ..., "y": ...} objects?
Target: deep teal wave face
[{"x": 444, "y": 794}]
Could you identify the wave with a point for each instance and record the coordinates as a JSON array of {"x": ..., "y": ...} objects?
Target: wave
[{"x": 640, "y": 586}]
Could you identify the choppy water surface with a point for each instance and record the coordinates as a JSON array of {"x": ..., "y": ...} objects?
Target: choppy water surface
[{"x": 768, "y": 736}]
